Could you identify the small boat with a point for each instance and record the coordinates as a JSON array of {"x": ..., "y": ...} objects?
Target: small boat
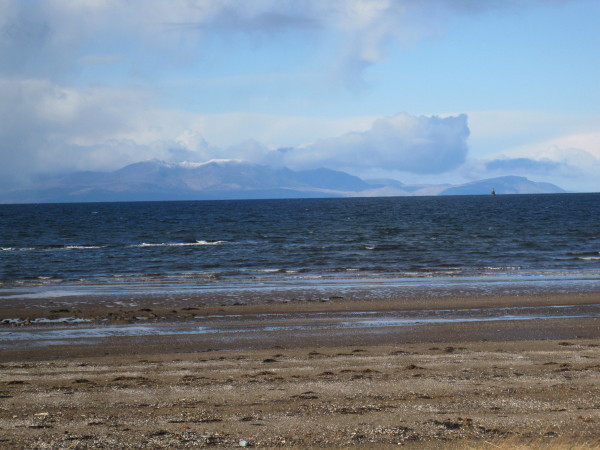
[{"x": 493, "y": 192}]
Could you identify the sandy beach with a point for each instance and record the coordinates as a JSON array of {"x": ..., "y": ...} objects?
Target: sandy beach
[{"x": 417, "y": 372}]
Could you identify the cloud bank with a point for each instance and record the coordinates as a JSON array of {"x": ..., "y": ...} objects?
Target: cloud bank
[
  {"x": 422, "y": 145},
  {"x": 55, "y": 116},
  {"x": 520, "y": 165},
  {"x": 51, "y": 129},
  {"x": 571, "y": 161}
]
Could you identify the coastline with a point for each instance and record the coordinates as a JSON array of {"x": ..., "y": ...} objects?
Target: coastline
[
  {"x": 176, "y": 307},
  {"x": 419, "y": 384}
]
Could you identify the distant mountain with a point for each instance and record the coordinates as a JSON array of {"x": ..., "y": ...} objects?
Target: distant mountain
[
  {"x": 229, "y": 179},
  {"x": 218, "y": 179},
  {"x": 388, "y": 187},
  {"x": 503, "y": 185}
]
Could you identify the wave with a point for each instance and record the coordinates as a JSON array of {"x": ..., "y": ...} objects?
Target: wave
[
  {"x": 54, "y": 247},
  {"x": 51, "y": 248},
  {"x": 585, "y": 256},
  {"x": 178, "y": 244},
  {"x": 272, "y": 270},
  {"x": 382, "y": 247},
  {"x": 83, "y": 247}
]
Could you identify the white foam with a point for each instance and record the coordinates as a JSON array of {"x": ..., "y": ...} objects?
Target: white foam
[
  {"x": 45, "y": 320},
  {"x": 83, "y": 247},
  {"x": 209, "y": 243},
  {"x": 178, "y": 244},
  {"x": 47, "y": 294}
]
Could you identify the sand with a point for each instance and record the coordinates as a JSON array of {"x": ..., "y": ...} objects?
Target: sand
[{"x": 314, "y": 384}]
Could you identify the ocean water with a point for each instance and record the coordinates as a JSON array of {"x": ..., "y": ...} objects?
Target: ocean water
[{"x": 409, "y": 246}]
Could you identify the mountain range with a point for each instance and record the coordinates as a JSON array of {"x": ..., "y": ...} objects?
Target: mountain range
[{"x": 229, "y": 179}]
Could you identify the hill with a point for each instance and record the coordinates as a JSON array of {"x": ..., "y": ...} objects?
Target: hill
[
  {"x": 229, "y": 179},
  {"x": 503, "y": 185}
]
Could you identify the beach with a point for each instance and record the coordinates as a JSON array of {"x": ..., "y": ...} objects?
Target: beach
[
  {"x": 338, "y": 372},
  {"x": 299, "y": 224}
]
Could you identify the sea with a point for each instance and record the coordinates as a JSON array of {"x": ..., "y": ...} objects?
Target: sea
[{"x": 363, "y": 247}]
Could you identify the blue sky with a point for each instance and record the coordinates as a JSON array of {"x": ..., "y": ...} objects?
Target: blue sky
[{"x": 424, "y": 92}]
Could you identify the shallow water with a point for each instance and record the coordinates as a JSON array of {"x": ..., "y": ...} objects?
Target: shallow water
[{"x": 260, "y": 325}]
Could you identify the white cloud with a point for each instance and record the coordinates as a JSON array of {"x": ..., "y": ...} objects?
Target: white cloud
[
  {"x": 571, "y": 161},
  {"x": 227, "y": 129},
  {"x": 501, "y": 130},
  {"x": 49, "y": 128},
  {"x": 49, "y": 122},
  {"x": 46, "y": 127},
  {"x": 564, "y": 148},
  {"x": 425, "y": 145},
  {"x": 48, "y": 38}
]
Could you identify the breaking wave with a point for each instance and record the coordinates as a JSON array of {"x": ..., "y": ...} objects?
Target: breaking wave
[{"x": 179, "y": 244}]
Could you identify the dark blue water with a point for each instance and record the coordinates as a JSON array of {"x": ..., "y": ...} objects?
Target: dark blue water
[{"x": 551, "y": 241}]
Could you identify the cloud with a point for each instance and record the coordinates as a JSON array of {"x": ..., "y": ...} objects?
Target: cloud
[
  {"x": 50, "y": 38},
  {"x": 51, "y": 119},
  {"x": 521, "y": 165},
  {"x": 45, "y": 127},
  {"x": 577, "y": 149},
  {"x": 571, "y": 161},
  {"x": 424, "y": 145}
]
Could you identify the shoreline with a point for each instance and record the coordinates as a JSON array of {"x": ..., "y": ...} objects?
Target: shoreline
[
  {"x": 46, "y": 328},
  {"x": 176, "y": 307},
  {"x": 265, "y": 380}
]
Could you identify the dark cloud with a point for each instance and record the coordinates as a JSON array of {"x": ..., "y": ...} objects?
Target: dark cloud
[
  {"x": 24, "y": 47},
  {"x": 363, "y": 29},
  {"x": 234, "y": 20}
]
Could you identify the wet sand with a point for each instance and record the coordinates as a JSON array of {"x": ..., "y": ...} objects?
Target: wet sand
[{"x": 425, "y": 384}]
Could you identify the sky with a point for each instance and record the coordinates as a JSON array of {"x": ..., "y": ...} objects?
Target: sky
[{"x": 428, "y": 91}]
